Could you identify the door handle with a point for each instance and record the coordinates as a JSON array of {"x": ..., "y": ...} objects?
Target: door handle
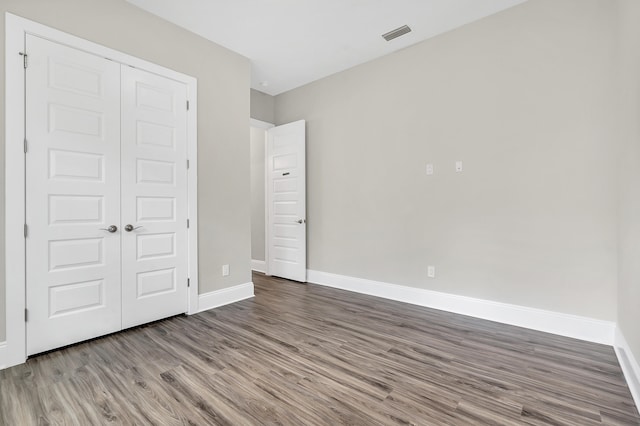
[
  {"x": 301, "y": 221},
  {"x": 111, "y": 229},
  {"x": 130, "y": 227}
]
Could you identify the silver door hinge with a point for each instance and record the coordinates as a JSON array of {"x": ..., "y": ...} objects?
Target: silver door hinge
[
  {"x": 188, "y": 282},
  {"x": 26, "y": 230},
  {"x": 26, "y": 145},
  {"x": 187, "y": 164},
  {"x": 26, "y": 315},
  {"x": 187, "y": 105},
  {"x": 25, "y": 61},
  {"x": 187, "y": 223}
]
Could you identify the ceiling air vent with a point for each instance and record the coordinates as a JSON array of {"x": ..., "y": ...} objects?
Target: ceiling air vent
[{"x": 396, "y": 33}]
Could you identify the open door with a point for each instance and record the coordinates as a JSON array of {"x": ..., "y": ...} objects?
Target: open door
[{"x": 286, "y": 202}]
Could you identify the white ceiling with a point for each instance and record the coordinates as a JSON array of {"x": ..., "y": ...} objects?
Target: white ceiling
[{"x": 294, "y": 42}]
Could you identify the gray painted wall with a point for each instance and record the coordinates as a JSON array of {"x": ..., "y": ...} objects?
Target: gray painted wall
[
  {"x": 223, "y": 110},
  {"x": 257, "y": 193},
  {"x": 262, "y": 106},
  {"x": 629, "y": 208},
  {"x": 263, "y": 109},
  {"x": 525, "y": 99}
]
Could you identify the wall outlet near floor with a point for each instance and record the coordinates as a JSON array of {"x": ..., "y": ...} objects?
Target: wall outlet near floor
[
  {"x": 431, "y": 271},
  {"x": 458, "y": 166},
  {"x": 225, "y": 270},
  {"x": 429, "y": 169}
]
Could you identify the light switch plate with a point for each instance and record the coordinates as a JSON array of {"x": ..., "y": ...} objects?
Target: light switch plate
[
  {"x": 458, "y": 166},
  {"x": 429, "y": 169},
  {"x": 431, "y": 271},
  {"x": 225, "y": 270}
]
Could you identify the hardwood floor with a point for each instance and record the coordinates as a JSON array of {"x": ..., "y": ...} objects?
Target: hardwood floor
[{"x": 302, "y": 354}]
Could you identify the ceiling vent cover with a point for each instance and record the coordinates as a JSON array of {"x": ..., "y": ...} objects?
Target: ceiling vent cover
[{"x": 400, "y": 31}]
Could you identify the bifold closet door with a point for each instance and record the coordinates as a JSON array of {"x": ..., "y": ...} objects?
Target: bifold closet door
[
  {"x": 72, "y": 196},
  {"x": 154, "y": 197}
]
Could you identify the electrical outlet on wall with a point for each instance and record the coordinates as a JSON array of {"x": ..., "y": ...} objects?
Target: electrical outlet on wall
[
  {"x": 431, "y": 271},
  {"x": 458, "y": 166},
  {"x": 225, "y": 270},
  {"x": 429, "y": 169}
]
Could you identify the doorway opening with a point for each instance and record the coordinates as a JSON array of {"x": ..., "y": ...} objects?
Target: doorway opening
[
  {"x": 257, "y": 148},
  {"x": 278, "y": 188}
]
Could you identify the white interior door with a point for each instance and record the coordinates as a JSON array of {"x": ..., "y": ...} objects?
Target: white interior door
[
  {"x": 72, "y": 195},
  {"x": 106, "y": 196},
  {"x": 154, "y": 197},
  {"x": 286, "y": 201}
]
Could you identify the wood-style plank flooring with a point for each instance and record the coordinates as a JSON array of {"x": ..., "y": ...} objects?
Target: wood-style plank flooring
[{"x": 302, "y": 354}]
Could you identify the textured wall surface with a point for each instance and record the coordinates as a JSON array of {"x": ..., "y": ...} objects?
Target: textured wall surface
[
  {"x": 525, "y": 99},
  {"x": 262, "y": 106},
  {"x": 257, "y": 193},
  {"x": 629, "y": 209}
]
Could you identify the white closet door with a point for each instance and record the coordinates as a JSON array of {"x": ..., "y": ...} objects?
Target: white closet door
[
  {"x": 72, "y": 190},
  {"x": 154, "y": 197}
]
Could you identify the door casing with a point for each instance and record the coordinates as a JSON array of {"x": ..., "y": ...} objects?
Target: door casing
[
  {"x": 15, "y": 29},
  {"x": 263, "y": 125}
]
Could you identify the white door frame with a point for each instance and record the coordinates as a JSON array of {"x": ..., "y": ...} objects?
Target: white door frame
[
  {"x": 266, "y": 126},
  {"x": 15, "y": 261}
]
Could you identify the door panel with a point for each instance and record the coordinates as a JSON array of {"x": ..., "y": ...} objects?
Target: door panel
[
  {"x": 107, "y": 147},
  {"x": 154, "y": 197},
  {"x": 286, "y": 192},
  {"x": 72, "y": 190}
]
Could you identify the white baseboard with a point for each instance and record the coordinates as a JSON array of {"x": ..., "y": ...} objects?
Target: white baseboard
[
  {"x": 629, "y": 364},
  {"x": 225, "y": 296},
  {"x": 574, "y": 326},
  {"x": 3, "y": 355},
  {"x": 258, "y": 265}
]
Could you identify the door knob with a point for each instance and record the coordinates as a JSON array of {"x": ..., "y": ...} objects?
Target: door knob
[
  {"x": 301, "y": 221},
  {"x": 111, "y": 229},
  {"x": 130, "y": 227}
]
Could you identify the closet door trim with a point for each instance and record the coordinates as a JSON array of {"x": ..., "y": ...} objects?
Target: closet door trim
[{"x": 13, "y": 349}]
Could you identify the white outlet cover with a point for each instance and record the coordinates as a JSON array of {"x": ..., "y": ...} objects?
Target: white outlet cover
[
  {"x": 225, "y": 270},
  {"x": 431, "y": 271},
  {"x": 458, "y": 166},
  {"x": 429, "y": 169}
]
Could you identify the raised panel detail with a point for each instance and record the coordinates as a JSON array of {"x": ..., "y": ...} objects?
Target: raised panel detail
[
  {"x": 284, "y": 141},
  {"x": 285, "y": 254},
  {"x": 156, "y": 209},
  {"x": 75, "y": 120},
  {"x": 286, "y": 161},
  {"x": 285, "y": 231},
  {"x": 72, "y": 165},
  {"x": 155, "y": 135},
  {"x": 75, "y": 253},
  {"x": 285, "y": 208},
  {"x": 74, "y": 78},
  {"x": 75, "y": 209},
  {"x": 154, "y": 97},
  {"x": 156, "y": 172},
  {"x": 72, "y": 298},
  {"x": 153, "y": 246},
  {"x": 156, "y": 282},
  {"x": 283, "y": 186}
]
